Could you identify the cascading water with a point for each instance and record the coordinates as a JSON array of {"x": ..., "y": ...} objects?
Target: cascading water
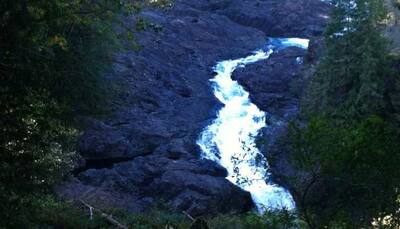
[{"x": 230, "y": 139}]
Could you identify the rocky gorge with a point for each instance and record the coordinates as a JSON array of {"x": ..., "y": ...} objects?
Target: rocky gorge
[{"x": 146, "y": 152}]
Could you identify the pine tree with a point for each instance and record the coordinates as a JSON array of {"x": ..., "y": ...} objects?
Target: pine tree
[
  {"x": 350, "y": 145},
  {"x": 349, "y": 82}
]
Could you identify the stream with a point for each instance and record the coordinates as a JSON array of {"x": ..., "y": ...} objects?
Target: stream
[{"x": 230, "y": 139}]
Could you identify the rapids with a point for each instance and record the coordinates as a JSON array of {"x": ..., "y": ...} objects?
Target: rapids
[{"x": 230, "y": 139}]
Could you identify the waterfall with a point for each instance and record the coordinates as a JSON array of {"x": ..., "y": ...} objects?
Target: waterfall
[{"x": 230, "y": 139}]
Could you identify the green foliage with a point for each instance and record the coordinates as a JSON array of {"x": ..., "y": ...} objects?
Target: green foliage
[
  {"x": 53, "y": 56},
  {"x": 357, "y": 165},
  {"x": 46, "y": 212},
  {"x": 349, "y": 82},
  {"x": 270, "y": 220},
  {"x": 160, "y": 218},
  {"x": 349, "y": 149},
  {"x": 154, "y": 219},
  {"x": 57, "y": 50},
  {"x": 394, "y": 91}
]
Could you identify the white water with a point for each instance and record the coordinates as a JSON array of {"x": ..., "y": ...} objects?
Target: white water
[{"x": 230, "y": 139}]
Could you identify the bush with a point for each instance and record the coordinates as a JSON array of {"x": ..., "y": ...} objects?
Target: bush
[
  {"x": 355, "y": 170},
  {"x": 47, "y": 212},
  {"x": 154, "y": 219},
  {"x": 269, "y": 220}
]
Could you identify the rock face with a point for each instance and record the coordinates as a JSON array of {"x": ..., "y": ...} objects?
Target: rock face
[
  {"x": 270, "y": 82},
  {"x": 196, "y": 186},
  {"x": 169, "y": 101}
]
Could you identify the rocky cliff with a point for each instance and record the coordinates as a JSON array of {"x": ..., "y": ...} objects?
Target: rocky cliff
[{"x": 146, "y": 151}]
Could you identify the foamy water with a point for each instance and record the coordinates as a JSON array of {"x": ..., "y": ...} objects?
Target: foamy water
[{"x": 230, "y": 138}]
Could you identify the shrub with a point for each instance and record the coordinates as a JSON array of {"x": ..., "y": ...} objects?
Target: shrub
[
  {"x": 269, "y": 220},
  {"x": 354, "y": 169}
]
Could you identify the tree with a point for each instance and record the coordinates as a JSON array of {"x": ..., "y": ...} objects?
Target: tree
[
  {"x": 355, "y": 168},
  {"x": 53, "y": 55},
  {"x": 349, "y": 147},
  {"x": 349, "y": 82}
]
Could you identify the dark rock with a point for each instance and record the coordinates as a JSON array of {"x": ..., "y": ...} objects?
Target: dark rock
[
  {"x": 107, "y": 143},
  {"x": 177, "y": 149},
  {"x": 196, "y": 186},
  {"x": 269, "y": 82},
  {"x": 169, "y": 101},
  {"x": 285, "y": 18}
]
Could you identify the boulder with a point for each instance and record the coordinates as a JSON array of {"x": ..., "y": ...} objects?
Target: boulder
[{"x": 196, "y": 186}]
